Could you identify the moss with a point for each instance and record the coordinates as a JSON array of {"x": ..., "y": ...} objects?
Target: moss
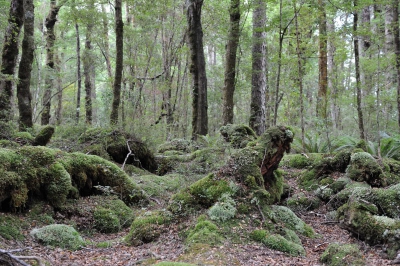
[
  {"x": 301, "y": 202},
  {"x": 299, "y": 161},
  {"x": 146, "y": 229},
  {"x": 209, "y": 189},
  {"x": 278, "y": 242},
  {"x": 181, "y": 145},
  {"x": 258, "y": 235},
  {"x": 205, "y": 232},
  {"x": 237, "y": 135},
  {"x": 309, "y": 179},
  {"x": 106, "y": 221},
  {"x": 57, "y": 184},
  {"x": 120, "y": 209},
  {"x": 363, "y": 167},
  {"x": 339, "y": 184},
  {"x": 24, "y": 138},
  {"x": 59, "y": 235},
  {"x": 10, "y": 228},
  {"x": 342, "y": 254},
  {"x": 283, "y": 215},
  {"x": 44, "y": 136},
  {"x": 324, "y": 193},
  {"x": 158, "y": 186},
  {"x": 223, "y": 210},
  {"x": 391, "y": 171}
]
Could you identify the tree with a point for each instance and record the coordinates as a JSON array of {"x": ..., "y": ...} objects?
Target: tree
[
  {"x": 322, "y": 62},
  {"x": 9, "y": 57},
  {"x": 119, "y": 40},
  {"x": 197, "y": 68},
  {"x": 230, "y": 62},
  {"x": 78, "y": 73},
  {"x": 50, "y": 22},
  {"x": 396, "y": 33},
  {"x": 258, "y": 79},
  {"x": 25, "y": 68},
  {"x": 357, "y": 70}
]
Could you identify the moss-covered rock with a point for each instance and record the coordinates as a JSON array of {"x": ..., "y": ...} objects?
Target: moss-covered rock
[
  {"x": 360, "y": 218},
  {"x": 342, "y": 254},
  {"x": 179, "y": 145},
  {"x": 44, "y": 173},
  {"x": 363, "y": 167},
  {"x": 237, "y": 135},
  {"x": 302, "y": 202},
  {"x": 59, "y": 235},
  {"x": 284, "y": 216},
  {"x": 115, "y": 144},
  {"x": 111, "y": 215},
  {"x": 204, "y": 232},
  {"x": 146, "y": 229},
  {"x": 44, "y": 136}
]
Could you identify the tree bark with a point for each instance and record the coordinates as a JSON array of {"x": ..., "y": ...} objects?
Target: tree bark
[
  {"x": 9, "y": 57},
  {"x": 25, "y": 68},
  {"x": 50, "y": 22},
  {"x": 258, "y": 79},
  {"x": 88, "y": 69},
  {"x": 119, "y": 40},
  {"x": 197, "y": 68},
  {"x": 230, "y": 62},
  {"x": 396, "y": 33},
  {"x": 322, "y": 63},
  {"x": 78, "y": 73},
  {"x": 358, "y": 79}
]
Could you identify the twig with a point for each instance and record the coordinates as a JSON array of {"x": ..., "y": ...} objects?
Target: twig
[
  {"x": 127, "y": 156},
  {"x": 12, "y": 259}
]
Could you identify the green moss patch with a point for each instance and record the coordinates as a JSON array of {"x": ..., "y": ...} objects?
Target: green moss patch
[
  {"x": 342, "y": 254},
  {"x": 363, "y": 167},
  {"x": 58, "y": 235},
  {"x": 284, "y": 216},
  {"x": 204, "y": 232},
  {"x": 237, "y": 135}
]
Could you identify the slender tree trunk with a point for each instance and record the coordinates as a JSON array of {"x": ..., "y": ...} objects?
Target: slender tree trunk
[
  {"x": 58, "y": 112},
  {"x": 300, "y": 61},
  {"x": 396, "y": 33},
  {"x": 50, "y": 22},
  {"x": 322, "y": 63},
  {"x": 258, "y": 79},
  {"x": 119, "y": 40},
  {"x": 230, "y": 62},
  {"x": 9, "y": 57},
  {"x": 25, "y": 68},
  {"x": 358, "y": 80},
  {"x": 106, "y": 44},
  {"x": 78, "y": 73},
  {"x": 197, "y": 69},
  {"x": 88, "y": 66}
]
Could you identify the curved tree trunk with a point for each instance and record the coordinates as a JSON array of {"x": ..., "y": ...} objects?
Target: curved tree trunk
[
  {"x": 258, "y": 80},
  {"x": 119, "y": 40},
  {"x": 25, "y": 67},
  {"x": 197, "y": 68},
  {"x": 230, "y": 62},
  {"x": 9, "y": 57}
]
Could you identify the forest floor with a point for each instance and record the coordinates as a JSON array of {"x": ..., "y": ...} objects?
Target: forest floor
[{"x": 170, "y": 247}]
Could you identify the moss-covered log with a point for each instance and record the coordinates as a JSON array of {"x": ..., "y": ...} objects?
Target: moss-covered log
[{"x": 39, "y": 172}]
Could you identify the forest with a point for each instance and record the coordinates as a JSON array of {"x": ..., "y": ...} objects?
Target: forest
[{"x": 192, "y": 132}]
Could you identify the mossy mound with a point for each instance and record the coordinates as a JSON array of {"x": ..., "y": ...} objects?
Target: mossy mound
[
  {"x": 283, "y": 216},
  {"x": 160, "y": 186},
  {"x": 111, "y": 215},
  {"x": 363, "y": 167},
  {"x": 204, "y": 232},
  {"x": 178, "y": 145},
  {"x": 39, "y": 172},
  {"x": 44, "y": 136},
  {"x": 278, "y": 242},
  {"x": 11, "y": 228},
  {"x": 146, "y": 229},
  {"x": 342, "y": 254},
  {"x": 237, "y": 135},
  {"x": 301, "y": 161},
  {"x": 360, "y": 218},
  {"x": 114, "y": 143},
  {"x": 302, "y": 202},
  {"x": 59, "y": 235}
]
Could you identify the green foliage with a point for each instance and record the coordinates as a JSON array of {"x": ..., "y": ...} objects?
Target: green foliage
[
  {"x": 301, "y": 202},
  {"x": 258, "y": 235},
  {"x": 158, "y": 186},
  {"x": 106, "y": 221},
  {"x": 10, "y": 228},
  {"x": 342, "y": 254},
  {"x": 313, "y": 143},
  {"x": 180, "y": 145},
  {"x": 58, "y": 235},
  {"x": 237, "y": 135},
  {"x": 280, "y": 243},
  {"x": 223, "y": 210},
  {"x": 363, "y": 167}
]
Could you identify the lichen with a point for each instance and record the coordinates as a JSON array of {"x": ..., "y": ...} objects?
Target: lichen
[{"x": 58, "y": 235}]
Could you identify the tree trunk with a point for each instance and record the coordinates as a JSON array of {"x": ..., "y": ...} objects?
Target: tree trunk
[
  {"x": 396, "y": 33},
  {"x": 25, "y": 68},
  {"x": 119, "y": 40},
  {"x": 258, "y": 78},
  {"x": 357, "y": 68},
  {"x": 51, "y": 20},
  {"x": 9, "y": 57},
  {"x": 322, "y": 63},
  {"x": 58, "y": 112},
  {"x": 230, "y": 62},
  {"x": 88, "y": 66},
  {"x": 197, "y": 69},
  {"x": 78, "y": 74},
  {"x": 106, "y": 52}
]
